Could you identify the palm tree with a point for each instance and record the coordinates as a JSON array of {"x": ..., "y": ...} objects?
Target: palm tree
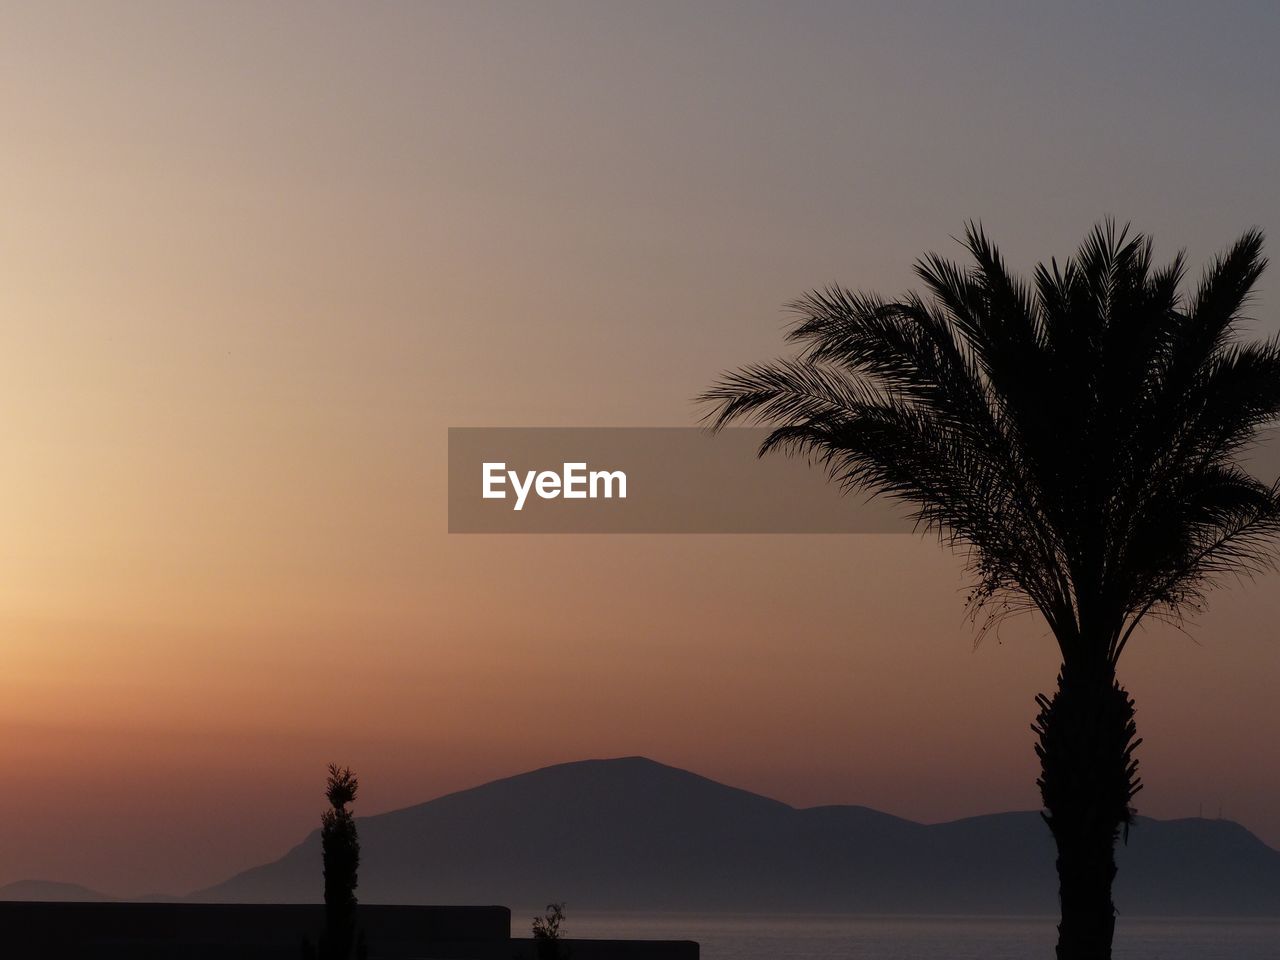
[
  {"x": 1079, "y": 438},
  {"x": 340, "y": 849}
]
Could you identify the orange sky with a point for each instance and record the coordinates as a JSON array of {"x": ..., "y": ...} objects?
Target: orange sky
[{"x": 254, "y": 263}]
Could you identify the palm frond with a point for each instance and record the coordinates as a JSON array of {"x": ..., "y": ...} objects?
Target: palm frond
[{"x": 1078, "y": 436}]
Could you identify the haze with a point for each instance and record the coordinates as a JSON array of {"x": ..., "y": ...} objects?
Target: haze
[{"x": 255, "y": 260}]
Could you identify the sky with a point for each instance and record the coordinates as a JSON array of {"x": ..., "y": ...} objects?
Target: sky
[{"x": 256, "y": 259}]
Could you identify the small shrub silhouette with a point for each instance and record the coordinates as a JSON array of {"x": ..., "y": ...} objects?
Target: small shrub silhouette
[{"x": 548, "y": 943}]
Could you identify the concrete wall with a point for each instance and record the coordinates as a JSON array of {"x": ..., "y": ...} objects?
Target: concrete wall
[
  {"x": 230, "y": 931},
  {"x": 203, "y": 931},
  {"x": 526, "y": 949}
]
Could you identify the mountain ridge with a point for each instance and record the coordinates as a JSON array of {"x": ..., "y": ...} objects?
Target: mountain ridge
[{"x": 632, "y": 833}]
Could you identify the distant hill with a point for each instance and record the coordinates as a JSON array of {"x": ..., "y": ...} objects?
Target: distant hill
[
  {"x": 49, "y": 890},
  {"x": 634, "y": 834}
]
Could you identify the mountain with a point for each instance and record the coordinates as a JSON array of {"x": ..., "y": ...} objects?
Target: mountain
[
  {"x": 49, "y": 890},
  {"x": 638, "y": 835}
]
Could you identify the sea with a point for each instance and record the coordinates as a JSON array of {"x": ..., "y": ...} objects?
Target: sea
[{"x": 763, "y": 937}]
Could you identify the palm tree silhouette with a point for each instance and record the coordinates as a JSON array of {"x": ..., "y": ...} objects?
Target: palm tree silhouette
[{"x": 1079, "y": 437}]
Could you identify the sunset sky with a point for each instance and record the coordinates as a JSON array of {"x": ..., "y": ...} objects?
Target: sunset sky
[{"x": 256, "y": 259}]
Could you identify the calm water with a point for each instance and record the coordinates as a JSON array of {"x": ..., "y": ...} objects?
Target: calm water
[{"x": 926, "y": 938}]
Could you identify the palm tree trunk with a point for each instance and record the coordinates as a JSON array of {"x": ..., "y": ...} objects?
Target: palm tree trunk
[{"x": 1087, "y": 780}]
